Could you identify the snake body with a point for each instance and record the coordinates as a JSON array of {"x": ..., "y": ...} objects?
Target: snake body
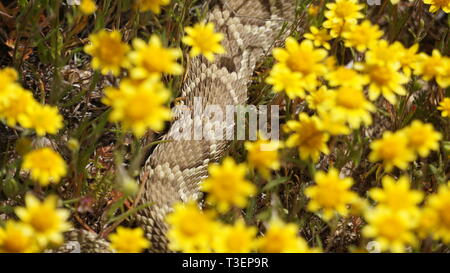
[{"x": 173, "y": 171}]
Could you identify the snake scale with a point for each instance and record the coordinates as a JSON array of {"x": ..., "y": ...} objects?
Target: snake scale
[{"x": 173, "y": 171}]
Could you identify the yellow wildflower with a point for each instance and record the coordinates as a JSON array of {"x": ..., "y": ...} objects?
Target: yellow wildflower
[
  {"x": 358, "y": 206},
  {"x": 47, "y": 221},
  {"x": 422, "y": 138},
  {"x": 282, "y": 238},
  {"x": 343, "y": 76},
  {"x": 204, "y": 40},
  {"x": 444, "y": 106},
  {"x": 237, "y": 238},
  {"x": 352, "y": 105},
  {"x": 44, "y": 119},
  {"x": 303, "y": 58},
  {"x": 443, "y": 79},
  {"x": 227, "y": 185},
  {"x": 313, "y": 10},
  {"x": 435, "y": 5},
  {"x": 263, "y": 155},
  {"x": 344, "y": 11},
  {"x": 337, "y": 28},
  {"x": 322, "y": 99},
  {"x": 391, "y": 229},
  {"x": 333, "y": 124},
  {"x": 152, "y": 58},
  {"x": 108, "y": 51},
  {"x": 385, "y": 80},
  {"x": 88, "y": 7},
  {"x": 362, "y": 36},
  {"x": 331, "y": 194},
  {"x": 318, "y": 37},
  {"x": 427, "y": 224},
  {"x": 45, "y": 166},
  {"x": 16, "y": 105},
  {"x": 440, "y": 204},
  {"x": 129, "y": 240},
  {"x": 407, "y": 57},
  {"x": 190, "y": 230},
  {"x": 282, "y": 78},
  {"x": 430, "y": 67},
  {"x": 153, "y": 5},
  {"x": 8, "y": 75},
  {"x": 383, "y": 53},
  {"x": 330, "y": 63},
  {"x": 398, "y": 195},
  {"x": 393, "y": 150},
  {"x": 17, "y": 237},
  {"x": 139, "y": 105},
  {"x": 308, "y": 136}
]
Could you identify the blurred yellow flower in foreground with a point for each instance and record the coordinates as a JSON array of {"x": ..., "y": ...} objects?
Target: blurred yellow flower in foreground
[
  {"x": 422, "y": 138},
  {"x": 440, "y": 204},
  {"x": 139, "y": 106},
  {"x": 237, "y": 238},
  {"x": 204, "y": 40},
  {"x": 16, "y": 237},
  {"x": 393, "y": 150},
  {"x": 282, "y": 238},
  {"x": 321, "y": 99},
  {"x": 351, "y": 105},
  {"x": 362, "y": 36},
  {"x": 438, "y": 4},
  {"x": 263, "y": 155},
  {"x": 383, "y": 53},
  {"x": 44, "y": 119},
  {"x": 153, "y": 59},
  {"x": 391, "y": 229},
  {"x": 308, "y": 136},
  {"x": 313, "y": 10},
  {"x": 303, "y": 58},
  {"x": 88, "y": 7},
  {"x": 128, "y": 240},
  {"x": 427, "y": 225},
  {"x": 443, "y": 79},
  {"x": 283, "y": 79},
  {"x": 45, "y": 166},
  {"x": 108, "y": 51},
  {"x": 331, "y": 194},
  {"x": 227, "y": 186},
  {"x": 153, "y": 5},
  {"x": 398, "y": 195},
  {"x": 430, "y": 67},
  {"x": 444, "y": 107},
  {"x": 333, "y": 124},
  {"x": 385, "y": 80},
  {"x": 344, "y": 11},
  {"x": 190, "y": 229},
  {"x": 407, "y": 57},
  {"x": 8, "y": 75},
  {"x": 318, "y": 37},
  {"x": 47, "y": 221},
  {"x": 15, "y": 105},
  {"x": 343, "y": 76}
]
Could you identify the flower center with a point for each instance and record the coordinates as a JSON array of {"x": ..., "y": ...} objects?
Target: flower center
[
  {"x": 349, "y": 98},
  {"x": 43, "y": 219},
  {"x": 391, "y": 228},
  {"x": 380, "y": 75}
]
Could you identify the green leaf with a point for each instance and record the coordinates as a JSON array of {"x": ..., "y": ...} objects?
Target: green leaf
[{"x": 275, "y": 182}]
